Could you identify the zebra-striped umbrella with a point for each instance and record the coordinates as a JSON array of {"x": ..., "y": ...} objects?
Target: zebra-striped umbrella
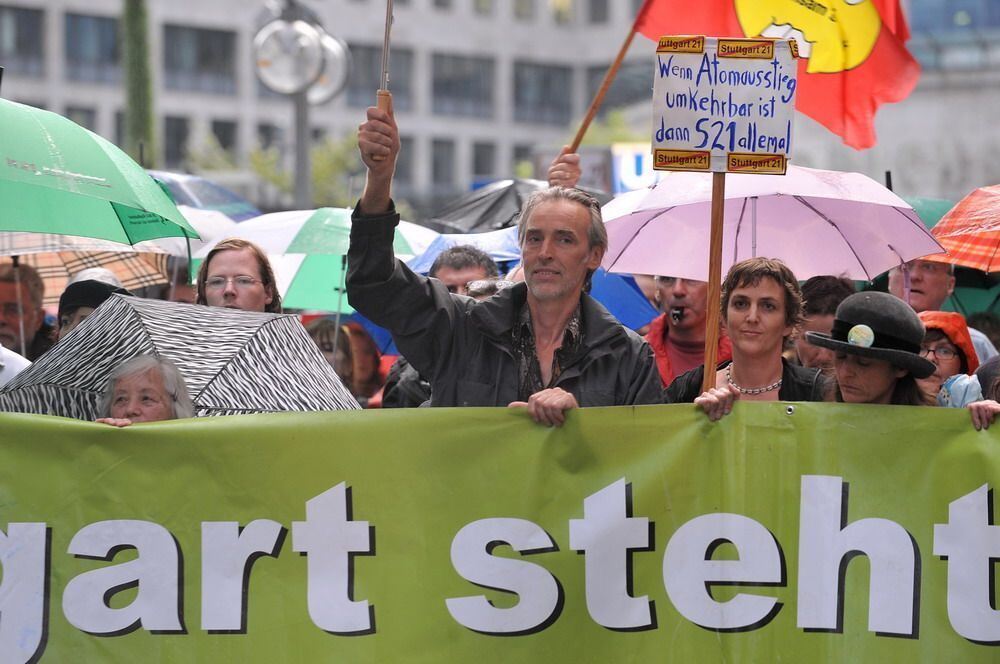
[{"x": 234, "y": 362}]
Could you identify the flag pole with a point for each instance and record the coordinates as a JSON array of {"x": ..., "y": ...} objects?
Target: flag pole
[
  {"x": 609, "y": 77},
  {"x": 714, "y": 281}
]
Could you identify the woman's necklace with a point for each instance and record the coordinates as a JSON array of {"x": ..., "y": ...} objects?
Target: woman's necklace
[{"x": 750, "y": 390}]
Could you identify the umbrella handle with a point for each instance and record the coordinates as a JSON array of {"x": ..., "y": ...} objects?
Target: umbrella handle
[{"x": 383, "y": 101}]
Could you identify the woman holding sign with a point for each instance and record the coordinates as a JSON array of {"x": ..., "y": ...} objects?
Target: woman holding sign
[{"x": 761, "y": 307}]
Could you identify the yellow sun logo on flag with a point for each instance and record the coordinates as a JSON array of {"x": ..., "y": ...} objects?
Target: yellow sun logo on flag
[{"x": 834, "y": 35}]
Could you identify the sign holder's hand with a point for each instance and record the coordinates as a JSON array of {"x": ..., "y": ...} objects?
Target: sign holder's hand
[
  {"x": 565, "y": 169},
  {"x": 548, "y": 406},
  {"x": 717, "y": 402}
]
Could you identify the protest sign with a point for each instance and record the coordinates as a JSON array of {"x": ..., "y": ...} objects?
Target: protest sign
[
  {"x": 452, "y": 535},
  {"x": 723, "y": 105}
]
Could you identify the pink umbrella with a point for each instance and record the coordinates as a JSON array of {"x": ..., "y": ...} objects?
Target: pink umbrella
[{"x": 818, "y": 222}]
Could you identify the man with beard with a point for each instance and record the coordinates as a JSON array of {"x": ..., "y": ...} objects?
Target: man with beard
[{"x": 544, "y": 345}]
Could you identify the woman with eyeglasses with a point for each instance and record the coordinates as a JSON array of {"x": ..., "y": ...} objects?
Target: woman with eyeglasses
[
  {"x": 948, "y": 345},
  {"x": 236, "y": 274}
]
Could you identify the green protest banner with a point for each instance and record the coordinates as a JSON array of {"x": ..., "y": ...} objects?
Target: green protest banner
[{"x": 811, "y": 532}]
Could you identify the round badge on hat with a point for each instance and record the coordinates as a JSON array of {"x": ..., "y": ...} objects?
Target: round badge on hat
[{"x": 861, "y": 335}]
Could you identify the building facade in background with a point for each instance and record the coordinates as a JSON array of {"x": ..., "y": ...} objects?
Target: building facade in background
[{"x": 478, "y": 85}]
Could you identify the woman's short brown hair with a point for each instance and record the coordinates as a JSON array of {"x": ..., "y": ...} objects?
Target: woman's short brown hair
[
  {"x": 263, "y": 265},
  {"x": 749, "y": 272}
]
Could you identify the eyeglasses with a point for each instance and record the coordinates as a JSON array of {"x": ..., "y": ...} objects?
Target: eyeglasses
[
  {"x": 941, "y": 352},
  {"x": 928, "y": 267},
  {"x": 240, "y": 282}
]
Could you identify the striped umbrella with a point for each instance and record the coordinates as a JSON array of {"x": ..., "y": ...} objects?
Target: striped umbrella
[
  {"x": 132, "y": 269},
  {"x": 970, "y": 231},
  {"x": 233, "y": 362},
  {"x": 308, "y": 249},
  {"x": 58, "y": 257}
]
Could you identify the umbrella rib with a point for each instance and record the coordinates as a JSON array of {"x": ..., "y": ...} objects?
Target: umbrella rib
[
  {"x": 636, "y": 234},
  {"x": 827, "y": 219},
  {"x": 739, "y": 226},
  {"x": 989, "y": 266}
]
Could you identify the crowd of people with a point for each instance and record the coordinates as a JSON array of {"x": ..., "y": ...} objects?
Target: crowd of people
[{"x": 537, "y": 340}]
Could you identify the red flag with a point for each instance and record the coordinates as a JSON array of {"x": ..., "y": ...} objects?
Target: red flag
[{"x": 854, "y": 57}]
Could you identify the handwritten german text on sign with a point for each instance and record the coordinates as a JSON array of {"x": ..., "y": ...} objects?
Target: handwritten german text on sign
[{"x": 723, "y": 105}]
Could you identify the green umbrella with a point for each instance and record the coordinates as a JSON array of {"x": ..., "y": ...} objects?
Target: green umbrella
[
  {"x": 930, "y": 210},
  {"x": 57, "y": 177}
]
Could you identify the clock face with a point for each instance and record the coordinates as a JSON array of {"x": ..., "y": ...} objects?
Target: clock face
[
  {"x": 334, "y": 77},
  {"x": 289, "y": 54}
]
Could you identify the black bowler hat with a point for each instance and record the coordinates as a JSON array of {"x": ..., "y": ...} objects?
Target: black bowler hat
[
  {"x": 87, "y": 293},
  {"x": 880, "y": 326}
]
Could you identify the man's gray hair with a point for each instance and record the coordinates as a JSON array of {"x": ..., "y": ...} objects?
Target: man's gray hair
[
  {"x": 597, "y": 235},
  {"x": 173, "y": 383},
  {"x": 29, "y": 278}
]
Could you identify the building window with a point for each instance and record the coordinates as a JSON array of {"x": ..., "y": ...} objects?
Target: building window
[
  {"x": 524, "y": 10},
  {"x": 270, "y": 136},
  {"x": 629, "y": 86},
  {"x": 521, "y": 155},
  {"x": 597, "y": 11},
  {"x": 175, "y": 140},
  {"x": 404, "y": 163},
  {"x": 21, "y": 41},
  {"x": 225, "y": 133},
  {"x": 199, "y": 60},
  {"x": 366, "y": 74},
  {"x": 442, "y": 4},
  {"x": 484, "y": 160},
  {"x": 119, "y": 138},
  {"x": 562, "y": 11},
  {"x": 92, "y": 49},
  {"x": 462, "y": 86},
  {"x": 443, "y": 165},
  {"x": 85, "y": 117},
  {"x": 483, "y": 6},
  {"x": 542, "y": 93}
]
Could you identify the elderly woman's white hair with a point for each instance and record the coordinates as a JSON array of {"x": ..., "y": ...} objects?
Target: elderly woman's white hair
[{"x": 173, "y": 383}]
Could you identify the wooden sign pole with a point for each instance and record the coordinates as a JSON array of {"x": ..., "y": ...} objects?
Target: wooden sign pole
[{"x": 714, "y": 281}]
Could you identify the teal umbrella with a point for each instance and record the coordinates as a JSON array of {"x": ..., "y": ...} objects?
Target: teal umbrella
[
  {"x": 930, "y": 210},
  {"x": 57, "y": 177}
]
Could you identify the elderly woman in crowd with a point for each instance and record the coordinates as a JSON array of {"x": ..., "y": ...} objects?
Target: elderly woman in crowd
[
  {"x": 145, "y": 389},
  {"x": 876, "y": 340},
  {"x": 236, "y": 274},
  {"x": 761, "y": 307}
]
